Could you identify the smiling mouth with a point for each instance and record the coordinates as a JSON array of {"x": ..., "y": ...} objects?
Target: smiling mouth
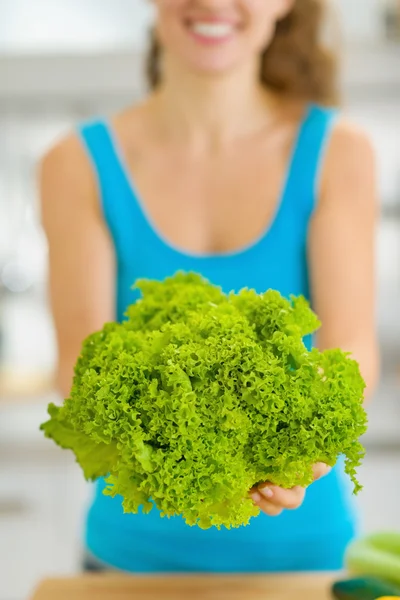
[{"x": 213, "y": 32}]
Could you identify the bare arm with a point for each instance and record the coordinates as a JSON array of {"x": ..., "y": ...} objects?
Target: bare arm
[
  {"x": 342, "y": 251},
  {"x": 81, "y": 255}
]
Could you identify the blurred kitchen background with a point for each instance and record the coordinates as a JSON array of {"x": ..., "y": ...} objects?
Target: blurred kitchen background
[{"x": 62, "y": 61}]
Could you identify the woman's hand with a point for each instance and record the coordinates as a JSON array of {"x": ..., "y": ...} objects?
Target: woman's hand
[{"x": 273, "y": 500}]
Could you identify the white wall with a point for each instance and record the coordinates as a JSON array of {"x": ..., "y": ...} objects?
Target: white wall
[
  {"x": 72, "y": 25},
  {"x": 362, "y": 20}
]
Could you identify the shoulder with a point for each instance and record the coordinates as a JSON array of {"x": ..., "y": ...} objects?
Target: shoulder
[
  {"x": 349, "y": 168},
  {"x": 349, "y": 150},
  {"x": 65, "y": 161},
  {"x": 347, "y": 138},
  {"x": 67, "y": 183},
  {"x": 68, "y": 165}
]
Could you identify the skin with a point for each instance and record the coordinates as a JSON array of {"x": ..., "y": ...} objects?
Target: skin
[{"x": 220, "y": 145}]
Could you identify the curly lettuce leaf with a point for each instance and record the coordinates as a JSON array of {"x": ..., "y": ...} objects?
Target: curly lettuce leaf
[{"x": 95, "y": 459}]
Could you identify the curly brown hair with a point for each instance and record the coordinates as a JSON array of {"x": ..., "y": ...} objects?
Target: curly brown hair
[{"x": 296, "y": 64}]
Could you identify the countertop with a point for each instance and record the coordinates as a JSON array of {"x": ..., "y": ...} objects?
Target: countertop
[{"x": 121, "y": 587}]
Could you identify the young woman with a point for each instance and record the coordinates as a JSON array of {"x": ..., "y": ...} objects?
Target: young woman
[{"x": 233, "y": 167}]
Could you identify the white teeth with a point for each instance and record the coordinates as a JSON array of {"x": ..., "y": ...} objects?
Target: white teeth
[{"x": 212, "y": 30}]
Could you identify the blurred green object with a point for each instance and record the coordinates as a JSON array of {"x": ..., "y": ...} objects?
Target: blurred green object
[
  {"x": 366, "y": 588},
  {"x": 377, "y": 555}
]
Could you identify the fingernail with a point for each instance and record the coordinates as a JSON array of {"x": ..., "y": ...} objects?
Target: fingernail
[
  {"x": 256, "y": 496},
  {"x": 266, "y": 492}
]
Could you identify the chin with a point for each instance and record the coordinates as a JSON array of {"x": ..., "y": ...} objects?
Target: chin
[
  {"x": 213, "y": 65},
  {"x": 213, "y": 71}
]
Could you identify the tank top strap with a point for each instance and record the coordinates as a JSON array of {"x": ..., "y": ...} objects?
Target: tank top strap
[
  {"x": 305, "y": 173},
  {"x": 112, "y": 184}
]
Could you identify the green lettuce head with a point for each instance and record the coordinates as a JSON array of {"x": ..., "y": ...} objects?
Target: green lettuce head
[{"x": 198, "y": 396}]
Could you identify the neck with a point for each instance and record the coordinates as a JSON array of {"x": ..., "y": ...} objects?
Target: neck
[{"x": 212, "y": 111}]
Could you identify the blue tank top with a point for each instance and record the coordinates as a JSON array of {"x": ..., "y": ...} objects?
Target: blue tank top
[{"x": 313, "y": 537}]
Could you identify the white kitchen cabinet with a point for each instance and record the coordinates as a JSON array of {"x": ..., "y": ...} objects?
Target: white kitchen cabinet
[{"x": 42, "y": 499}]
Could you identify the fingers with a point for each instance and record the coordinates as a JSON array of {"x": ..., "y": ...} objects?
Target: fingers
[
  {"x": 272, "y": 510},
  {"x": 320, "y": 470},
  {"x": 273, "y": 500},
  {"x": 285, "y": 499}
]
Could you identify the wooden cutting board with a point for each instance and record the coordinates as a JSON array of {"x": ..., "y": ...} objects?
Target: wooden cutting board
[{"x": 116, "y": 587}]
